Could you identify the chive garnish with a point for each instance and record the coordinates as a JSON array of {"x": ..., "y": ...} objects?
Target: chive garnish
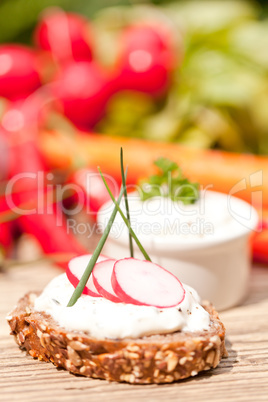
[
  {"x": 124, "y": 218},
  {"x": 126, "y": 201},
  {"x": 82, "y": 283}
]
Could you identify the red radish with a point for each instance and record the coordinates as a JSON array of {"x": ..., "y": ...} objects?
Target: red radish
[
  {"x": 48, "y": 226},
  {"x": 92, "y": 185},
  {"x": 66, "y": 35},
  {"x": 83, "y": 91},
  {"x": 19, "y": 74},
  {"x": 4, "y": 155},
  {"x": 6, "y": 230},
  {"x": 102, "y": 273},
  {"x": 263, "y": 218},
  {"x": 6, "y": 238},
  {"x": 76, "y": 268},
  {"x": 145, "y": 283},
  {"x": 146, "y": 60},
  {"x": 259, "y": 246},
  {"x": 26, "y": 159},
  {"x": 53, "y": 237},
  {"x": 29, "y": 113}
]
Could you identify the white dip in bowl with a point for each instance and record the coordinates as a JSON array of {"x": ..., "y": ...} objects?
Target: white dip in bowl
[{"x": 204, "y": 244}]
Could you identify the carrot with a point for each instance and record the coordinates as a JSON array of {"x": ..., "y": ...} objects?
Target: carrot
[{"x": 241, "y": 175}]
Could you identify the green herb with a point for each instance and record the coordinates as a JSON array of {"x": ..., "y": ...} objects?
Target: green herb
[
  {"x": 116, "y": 203},
  {"x": 126, "y": 201},
  {"x": 170, "y": 182},
  {"x": 82, "y": 283}
]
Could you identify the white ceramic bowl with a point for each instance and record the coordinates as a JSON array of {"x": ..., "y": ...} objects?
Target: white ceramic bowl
[{"x": 207, "y": 247}]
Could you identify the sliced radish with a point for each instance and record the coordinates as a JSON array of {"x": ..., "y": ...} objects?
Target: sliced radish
[
  {"x": 76, "y": 268},
  {"x": 145, "y": 283},
  {"x": 102, "y": 280}
]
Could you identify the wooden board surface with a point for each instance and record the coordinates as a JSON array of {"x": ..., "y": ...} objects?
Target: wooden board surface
[{"x": 243, "y": 376}]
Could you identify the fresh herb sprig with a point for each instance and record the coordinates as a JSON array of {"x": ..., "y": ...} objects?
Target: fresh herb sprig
[
  {"x": 127, "y": 222},
  {"x": 169, "y": 182},
  {"x": 82, "y": 283},
  {"x": 126, "y": 200}
]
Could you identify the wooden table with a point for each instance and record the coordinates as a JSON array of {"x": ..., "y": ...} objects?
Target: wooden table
[{"x": 243, "y": 376}]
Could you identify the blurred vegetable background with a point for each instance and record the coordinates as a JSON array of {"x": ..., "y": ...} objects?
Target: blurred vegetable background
[
  {"x": 190, "y": 73},
  {"x": 218, "y": 97},
  {"x": 218, "y": 94}
]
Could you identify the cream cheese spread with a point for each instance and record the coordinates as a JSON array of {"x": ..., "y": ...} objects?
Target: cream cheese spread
[{"x": 101, "y": 318}]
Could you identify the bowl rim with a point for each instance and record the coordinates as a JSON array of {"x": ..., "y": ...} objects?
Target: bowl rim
[{"x": 168, "y": 242}]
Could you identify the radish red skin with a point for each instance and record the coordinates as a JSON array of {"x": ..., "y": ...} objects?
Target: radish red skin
[
  {"x": 83, "y": 90},
  {"x": 19, "y": 74},
  {"x": 5, "y": 154},
  {"x": 127, "y": 298},
  {"x": 74, "y": 279},
  {"x": 94, "y": 193},
  {"x": 6, "y": 231},
  {"x": 48, "y": 227},
  {"x": 66, "y": 35},
  {"x": 146, "y": 60},
  {"x": 99, "y": 284}
]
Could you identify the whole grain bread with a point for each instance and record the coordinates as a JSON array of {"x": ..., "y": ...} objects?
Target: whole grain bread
[{"x": 149, "y": 359}]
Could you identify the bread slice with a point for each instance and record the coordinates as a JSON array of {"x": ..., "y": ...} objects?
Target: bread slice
[{"x": 149, "y": 359}]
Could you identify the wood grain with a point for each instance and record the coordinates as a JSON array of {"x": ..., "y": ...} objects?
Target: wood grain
[{"x": 243, "y": 376}]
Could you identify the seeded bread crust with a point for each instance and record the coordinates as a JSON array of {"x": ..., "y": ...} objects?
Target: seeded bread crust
[{"x": 145, "y": 360}]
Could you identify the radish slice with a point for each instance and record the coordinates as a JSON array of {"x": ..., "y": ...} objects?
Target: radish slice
[
  {"x": 145, "y": 283},
  {"x": 102, "y": 280},
  {"x": 76, "y": 268}
]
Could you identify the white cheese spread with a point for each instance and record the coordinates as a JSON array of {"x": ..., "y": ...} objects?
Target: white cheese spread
[{"x": 101, "y": 318}]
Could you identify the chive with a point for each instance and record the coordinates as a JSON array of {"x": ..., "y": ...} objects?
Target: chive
[
  {"x": 126, "y": 201},
  {"x": 82, "y": 283},
  {"x": 125, "y": 219}
]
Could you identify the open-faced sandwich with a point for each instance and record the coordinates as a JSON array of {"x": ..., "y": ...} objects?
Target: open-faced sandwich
[
  {"x": 146, "y": 328},
  {"x": 120, "y": 320}
]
